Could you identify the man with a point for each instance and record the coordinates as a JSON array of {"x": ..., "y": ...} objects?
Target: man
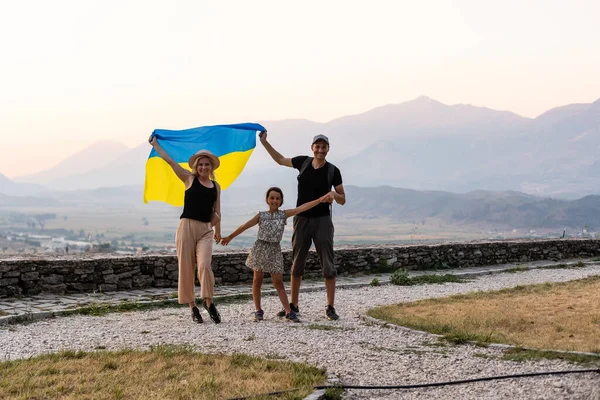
[{"x": 315, "y": 179}]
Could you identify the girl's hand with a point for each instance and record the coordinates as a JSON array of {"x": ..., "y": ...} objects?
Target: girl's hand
[
  {"x": 152, "y": 140},
  {"x": 217, "y": 237},
  {"x": 328, "y": 198},
  {"x": 225, "y": 241}
]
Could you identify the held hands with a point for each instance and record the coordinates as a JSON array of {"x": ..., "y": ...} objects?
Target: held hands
[
  {"x": 225, "y": 241},
  {"x": 328, "y": 198}
]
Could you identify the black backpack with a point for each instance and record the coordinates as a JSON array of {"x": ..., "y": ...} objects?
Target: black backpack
[{"x": 330, "y": 171}]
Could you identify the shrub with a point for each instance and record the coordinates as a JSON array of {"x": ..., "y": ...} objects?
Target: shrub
[{"x": 400, "y": 277}]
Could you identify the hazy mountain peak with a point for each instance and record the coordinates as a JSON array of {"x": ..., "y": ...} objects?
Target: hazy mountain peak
[
  {"x": 558, "y": 114},
  {"x": 8, "y": 187},
  {"x": 423, "y": 100}
]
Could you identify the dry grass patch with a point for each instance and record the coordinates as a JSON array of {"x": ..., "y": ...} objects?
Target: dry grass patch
[
  {"x": 558, "y": 316},
  {"x": 165, "y": 372}
]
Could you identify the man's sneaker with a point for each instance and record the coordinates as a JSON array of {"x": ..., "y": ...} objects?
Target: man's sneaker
[
  {"x": 331, "y": 314},
  {"x": 294, "y": 308},
  {"x": 212, "y": 311},
  {"x": 259, "y": 315},
  {"x": 292, "y": 316},
  {"x": 196, "y": 317}
]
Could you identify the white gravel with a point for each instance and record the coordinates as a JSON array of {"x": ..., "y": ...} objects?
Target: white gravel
[{"x": 356, "y": 352}]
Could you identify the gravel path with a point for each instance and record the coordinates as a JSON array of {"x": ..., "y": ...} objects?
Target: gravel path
[{"x": 356, "y": 352}]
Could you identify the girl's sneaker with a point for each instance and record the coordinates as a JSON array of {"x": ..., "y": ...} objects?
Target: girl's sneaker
[
  {"x": 295, "y": 309},
  {"x": 292, "y": 316},
  {"x": 259, "y": 315}
]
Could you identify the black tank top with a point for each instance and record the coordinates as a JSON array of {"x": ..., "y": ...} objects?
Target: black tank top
[{"x": 199, "y": 201}]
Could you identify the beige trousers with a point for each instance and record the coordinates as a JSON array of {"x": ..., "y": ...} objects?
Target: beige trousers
[{"x": 194, "y": 246}]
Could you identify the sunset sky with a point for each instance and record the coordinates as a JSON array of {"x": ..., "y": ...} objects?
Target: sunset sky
[{"x": 77, "y": 71}]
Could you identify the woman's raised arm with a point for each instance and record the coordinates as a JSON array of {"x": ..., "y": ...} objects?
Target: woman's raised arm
[{"x": 181, "y": 172}]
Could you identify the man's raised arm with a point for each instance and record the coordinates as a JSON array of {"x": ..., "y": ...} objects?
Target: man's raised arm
[{"x": 275, "y": 155}]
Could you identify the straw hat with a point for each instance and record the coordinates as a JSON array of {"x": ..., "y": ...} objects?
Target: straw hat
[{"x": 214, "y": 160}]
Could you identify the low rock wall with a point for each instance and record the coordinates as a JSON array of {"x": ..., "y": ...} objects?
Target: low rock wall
[{"x": 110, "y": 273}]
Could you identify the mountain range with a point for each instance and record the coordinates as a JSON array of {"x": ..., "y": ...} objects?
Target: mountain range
[
  {"x": 420, "y": 144},
  {"x": 477, "y": 209}
]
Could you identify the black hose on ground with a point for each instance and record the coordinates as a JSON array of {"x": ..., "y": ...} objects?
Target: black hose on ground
[{"x": 434, "y": 384}]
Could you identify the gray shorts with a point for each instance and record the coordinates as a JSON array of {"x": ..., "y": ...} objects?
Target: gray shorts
[{"x": 320, "y": 231}]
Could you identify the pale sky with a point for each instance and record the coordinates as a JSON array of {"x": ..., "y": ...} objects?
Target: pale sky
[{"x": 76, "y": 71}]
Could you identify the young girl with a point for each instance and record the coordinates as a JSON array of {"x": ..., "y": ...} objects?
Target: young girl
[{"x": 265, "y": 255}]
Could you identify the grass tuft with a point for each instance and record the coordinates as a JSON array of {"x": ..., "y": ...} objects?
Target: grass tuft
[
  {"x": 579, "y": 264},
  {"x": 519, "y": 354},
  {"x": 517, "y": 269},
  {"x": 101, "y": 309},
  {"x": 401, "y": 277},
  {"x": 435, "y": 278},
  {"x": 333, "y": 393}
]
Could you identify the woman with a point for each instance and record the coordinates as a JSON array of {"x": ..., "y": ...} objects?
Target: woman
[{"x": 201, "y": 211}]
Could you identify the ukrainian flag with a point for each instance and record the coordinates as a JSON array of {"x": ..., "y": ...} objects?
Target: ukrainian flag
[{"x": 233, "y": 144}]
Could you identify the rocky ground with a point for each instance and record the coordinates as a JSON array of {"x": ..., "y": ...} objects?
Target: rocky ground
[{"x": 352, "y": 350}]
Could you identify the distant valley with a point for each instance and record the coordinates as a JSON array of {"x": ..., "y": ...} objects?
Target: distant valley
[
  {"x": 508, "y": 209},
  {"x": 420, "y": 169}
]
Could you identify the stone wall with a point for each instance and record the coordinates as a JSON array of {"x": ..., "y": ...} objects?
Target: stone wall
[{"x": 109, "y": 273}]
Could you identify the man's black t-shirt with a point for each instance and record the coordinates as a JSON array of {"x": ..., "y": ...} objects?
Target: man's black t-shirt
[{"x": 313, "y": 184}]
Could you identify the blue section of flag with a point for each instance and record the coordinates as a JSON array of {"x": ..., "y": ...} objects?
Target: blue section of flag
[{"x": 218, "y": 139}]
